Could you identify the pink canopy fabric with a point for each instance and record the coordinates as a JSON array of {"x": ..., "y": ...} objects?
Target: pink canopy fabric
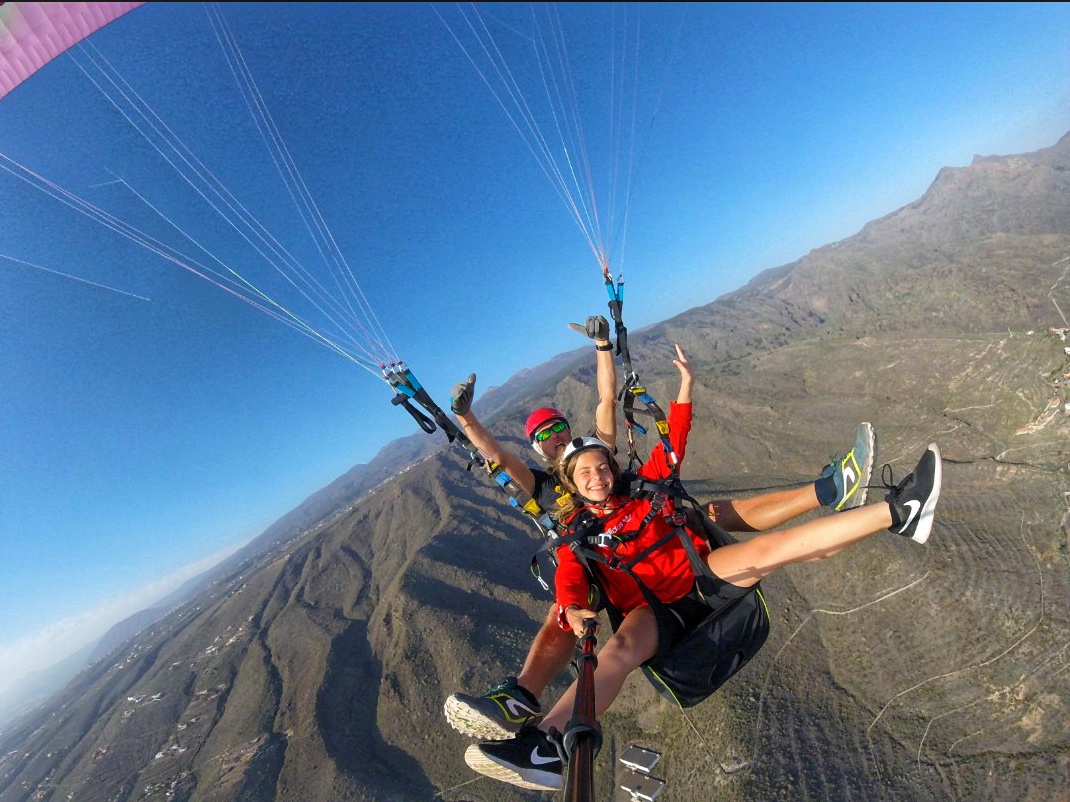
[{"x": 32, "y": 34}]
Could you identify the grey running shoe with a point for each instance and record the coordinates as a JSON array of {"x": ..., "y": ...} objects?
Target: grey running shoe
[
  {"x": 852, "y": 472},
  {"x": 913, "y": 501},
  {"x": 498, "y": 714},
  {"x": 533, "y": 759}
]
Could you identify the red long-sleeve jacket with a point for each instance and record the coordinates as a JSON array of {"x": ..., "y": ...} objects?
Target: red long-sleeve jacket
[{"x": 665, "y": 571}]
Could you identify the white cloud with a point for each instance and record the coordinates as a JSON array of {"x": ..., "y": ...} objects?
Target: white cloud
[{"x": 62, "y": 638}]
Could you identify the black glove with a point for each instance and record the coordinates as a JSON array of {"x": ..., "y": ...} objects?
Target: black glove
[
  {"x": 597, "y": 328},
  {"x": 461, "y": 395}
]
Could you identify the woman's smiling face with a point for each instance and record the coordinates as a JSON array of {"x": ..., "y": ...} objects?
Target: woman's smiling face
[{"x": 593, "y": 475}]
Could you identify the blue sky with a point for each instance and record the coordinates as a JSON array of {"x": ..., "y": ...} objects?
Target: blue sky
[{"x": 153, "y": 421}]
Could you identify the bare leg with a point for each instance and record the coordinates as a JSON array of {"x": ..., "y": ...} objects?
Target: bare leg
[
  {"x": 745, "y": 564},
  {"x": 762, "y": 512},
  {"x": 550, "y": 653},
  {"x": 634, "y": 642}
]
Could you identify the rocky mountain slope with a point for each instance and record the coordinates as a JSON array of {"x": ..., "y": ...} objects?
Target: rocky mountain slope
[{"x": 316, "y": 669}]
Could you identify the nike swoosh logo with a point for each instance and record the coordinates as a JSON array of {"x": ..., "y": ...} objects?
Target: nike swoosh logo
[
  {"x": 539, "y": 760},
  {"x": 849, "y": 476},
  {"x": 914, "y": 506}
]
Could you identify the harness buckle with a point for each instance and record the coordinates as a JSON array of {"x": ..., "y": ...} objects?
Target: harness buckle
[{"x": 603, "y": 540}]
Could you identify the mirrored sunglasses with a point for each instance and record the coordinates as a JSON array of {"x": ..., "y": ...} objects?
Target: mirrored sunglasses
[{"x": 556, "y": 428}]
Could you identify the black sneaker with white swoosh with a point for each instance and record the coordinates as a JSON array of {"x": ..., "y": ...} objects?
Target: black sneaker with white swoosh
[
  {"x": 913, "y": 501},
  {"x": 533, "y": 759}
]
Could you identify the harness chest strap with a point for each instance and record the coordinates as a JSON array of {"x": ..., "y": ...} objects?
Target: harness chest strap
[
  {"x": 588, "y": 528},
  {"x": 583, "y": 536}
]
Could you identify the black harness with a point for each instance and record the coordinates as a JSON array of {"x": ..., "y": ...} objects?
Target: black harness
[{"x": 691, "y": 667}]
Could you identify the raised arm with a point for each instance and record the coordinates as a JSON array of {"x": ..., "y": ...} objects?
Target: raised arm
[
  {"x": 687, "y": 376},
  {"x": 605, "y": 413},
  {"x": 461, "y": 404},
  {"x": 657, "y": 467}
]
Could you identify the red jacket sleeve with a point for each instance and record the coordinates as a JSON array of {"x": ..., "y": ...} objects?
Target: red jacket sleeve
[
  {"x": 571, "y": 585},
  {"x": 657, "y": 467}
]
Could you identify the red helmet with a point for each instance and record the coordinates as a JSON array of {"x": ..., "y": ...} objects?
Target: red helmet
[{"x": 540, "y": 417}]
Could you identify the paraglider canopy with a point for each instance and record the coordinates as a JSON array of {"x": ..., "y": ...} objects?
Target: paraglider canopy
[{"x": 32, "y": 34}]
